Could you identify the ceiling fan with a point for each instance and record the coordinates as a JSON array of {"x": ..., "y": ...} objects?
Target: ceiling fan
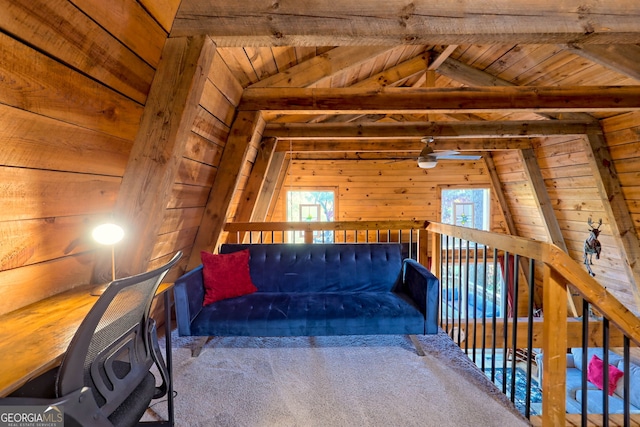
[{"x": 428, "y": 157}]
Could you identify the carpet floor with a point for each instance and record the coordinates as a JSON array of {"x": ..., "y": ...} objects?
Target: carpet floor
[{"x": 332, "y": 381}]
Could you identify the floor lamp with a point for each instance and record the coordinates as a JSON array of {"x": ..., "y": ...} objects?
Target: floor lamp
[{"x": 108, "y": 234}]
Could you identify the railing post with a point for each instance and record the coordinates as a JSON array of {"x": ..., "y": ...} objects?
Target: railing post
[
  {"x": 423, "y": 248},
  {"x": 308, "y": 236},
  {"x": 436, "y": 255},
  {"x": 554, "y": 347}
]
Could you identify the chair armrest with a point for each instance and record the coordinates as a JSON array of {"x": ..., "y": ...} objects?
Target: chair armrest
[
  {"x": 424, "y": 289},
  {"x": 188, "y": 292}
]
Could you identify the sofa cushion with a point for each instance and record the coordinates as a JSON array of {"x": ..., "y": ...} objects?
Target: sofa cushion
[
  {"x": 634, "y": 382},
  {"x": 595, "y": 374},
  {"x": 306, "y": 313},
  {"x": 594, "y": 403},
  {"x": 323, "y": 267},
  {"x": 225, "y": 276},
  {"x": 577, "y": 356},
  {"x": 574, "y": 383}
]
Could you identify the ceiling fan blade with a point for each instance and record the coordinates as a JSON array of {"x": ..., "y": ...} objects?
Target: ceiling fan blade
[
  {"x": 459, "y": 157},
  {"x": 441, "y": 154}
]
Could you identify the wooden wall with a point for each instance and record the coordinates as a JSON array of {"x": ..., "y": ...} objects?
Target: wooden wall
[
  {"x": 571, "y": 188},
  {"x": 623, "y": 139},
  {"x": 385, "y": 190},
  {"x": 204, "y": 147},
  {"x": 74, "y": 78}
]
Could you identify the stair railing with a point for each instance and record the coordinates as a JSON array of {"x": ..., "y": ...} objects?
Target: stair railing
[{"x": 496, "y": 317}]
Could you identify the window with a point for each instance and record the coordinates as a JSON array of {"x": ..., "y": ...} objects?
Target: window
[
  {"x": 469, "y": 289},
  {"x": 310, "y": 205},
  {"x": 467, "y": 207}
]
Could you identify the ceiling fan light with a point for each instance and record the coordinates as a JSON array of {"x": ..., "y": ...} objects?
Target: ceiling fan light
[{"x": 426, "y": 162}]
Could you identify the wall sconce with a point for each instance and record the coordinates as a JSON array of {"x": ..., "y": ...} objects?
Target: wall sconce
[{"x": 108, "y": 234}]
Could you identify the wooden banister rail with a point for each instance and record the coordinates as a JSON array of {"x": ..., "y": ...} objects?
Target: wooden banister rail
[
  {"x": 563, "y": 264},
  {"x": 559, "y": 271},
  {"x": 325, "y": 225},
  {"x": 237, "y": 230}
]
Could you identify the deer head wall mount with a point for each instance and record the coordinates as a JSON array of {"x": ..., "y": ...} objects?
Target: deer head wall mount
[{"x": 592, "y": 245}]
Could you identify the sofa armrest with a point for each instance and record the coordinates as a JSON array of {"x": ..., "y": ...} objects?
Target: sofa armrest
[
  {"x": 570, "y": 362},
  {"x": 188, "y": 292},
  {"x": 424, "y": 289},
  {"x": 539, "y": 358}
]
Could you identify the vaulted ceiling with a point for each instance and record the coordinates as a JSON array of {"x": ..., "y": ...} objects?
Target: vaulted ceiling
[
  {"x": 373, "y": 46},
  {"x": 368, "y": 80}
]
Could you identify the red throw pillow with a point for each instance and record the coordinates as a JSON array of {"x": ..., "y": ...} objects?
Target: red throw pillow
[
  {"x": 226, "y": 275},
  {"x": 595, "y": 374}
]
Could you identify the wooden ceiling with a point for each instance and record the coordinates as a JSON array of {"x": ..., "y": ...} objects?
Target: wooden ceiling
[{"x": 419, "y": 47}]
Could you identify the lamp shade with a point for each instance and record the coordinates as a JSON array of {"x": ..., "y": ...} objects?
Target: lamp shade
[{"x": 108, "y": 234}]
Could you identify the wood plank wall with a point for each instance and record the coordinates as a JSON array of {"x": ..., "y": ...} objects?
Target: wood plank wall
[
  {"x": 385, "y": 190},
  {"x": 574, "y": 196},
  {"x": 622, "y": 134},
  {"x": 70, "y": 105},
  {"x": 185, "y": 209}
]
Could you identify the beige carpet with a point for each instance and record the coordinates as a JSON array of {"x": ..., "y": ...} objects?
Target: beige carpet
[{"x": 333, "y": 381}]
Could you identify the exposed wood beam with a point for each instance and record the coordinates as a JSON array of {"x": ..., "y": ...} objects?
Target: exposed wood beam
[
  {"x": 436, "y": 100},
  {"x": 279, "y": 183},
  {"x": 463, "y": 73},
  {"x": 412, "y": 130},
  {"x": 413, "y": 146},
  {"x": 269, "y": 186},
  {"x": 615, "y": 207},
  {"x": 392, "y": 75},
  {"x": 545, "y": 208},
  {"x": 472, "y": 76},
  {"x": 623, "y": 59},
  {"x": 246, "y": 128},
  {"x": 393, "y": 22},
  {"x": 253, "y": 187},
  {"x": 428, "y": 77},
  {"x": 446, "y": 53},
  {"x": 496, "y": 185},
  {"x": 157, "y": 151},
  {"x": 541, "y": 196},
  {"x": 322, "y": 67}
]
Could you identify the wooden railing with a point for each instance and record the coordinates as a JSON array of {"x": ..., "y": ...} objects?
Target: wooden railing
[
  {"x": 410, "y": 233},
  {"x": 553, "y": 333},
  {"x": 558, "y": 331}
]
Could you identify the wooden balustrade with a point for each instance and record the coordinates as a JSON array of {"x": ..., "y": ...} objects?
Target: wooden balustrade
[
  {"x": 553, "y": 333},
  {"x": 412, "y": 232}
]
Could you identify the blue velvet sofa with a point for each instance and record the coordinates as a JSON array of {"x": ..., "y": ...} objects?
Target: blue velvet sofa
[{"x": 314, "y": 290}]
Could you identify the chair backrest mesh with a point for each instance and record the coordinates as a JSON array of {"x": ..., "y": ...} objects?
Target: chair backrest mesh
[{"x": 109, "y": 351}]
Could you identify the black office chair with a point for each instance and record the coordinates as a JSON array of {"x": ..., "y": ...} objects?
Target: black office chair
[{"x": 104, "y": 378}]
